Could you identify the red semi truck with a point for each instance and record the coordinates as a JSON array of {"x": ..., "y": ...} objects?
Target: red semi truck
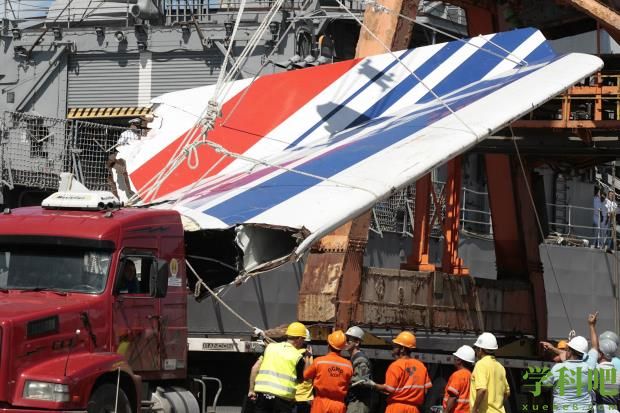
[{"x": 92, "y": 308}]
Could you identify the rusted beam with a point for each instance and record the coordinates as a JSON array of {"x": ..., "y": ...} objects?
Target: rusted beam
[
  {"x": 451, "y": 263},
  {"x": 481, "y": 19},
  {"x": 352, "y": 268},
  {"x": 608, "y": 18},
  {"x": 532, "y": 238},
  {"x": 330, "y": 288},
  {"x": 418, "y": 260},
  {"x": 393, "y": 31},
  {"x": 509, "y": 253}
]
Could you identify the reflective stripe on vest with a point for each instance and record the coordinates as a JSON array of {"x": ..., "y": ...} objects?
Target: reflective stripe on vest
[
  {"x": 335, "y": 363},
  {"x": 278, "y": 371},
  {"x": 412, "y": 386}
]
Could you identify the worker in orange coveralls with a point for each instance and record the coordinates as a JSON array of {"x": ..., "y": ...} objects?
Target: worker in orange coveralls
[
  {"x": 331, "y": 375},
  {"x": 406, "y": 380}
]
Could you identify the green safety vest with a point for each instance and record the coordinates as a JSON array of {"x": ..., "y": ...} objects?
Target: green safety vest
[{"x": 278, "y": 371}]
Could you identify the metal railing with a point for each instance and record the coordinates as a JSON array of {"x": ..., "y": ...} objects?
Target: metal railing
[
  {"x": 395, "y": 215},
  {"x": 34, "y": 150},
  {"x": 173, "y": 11}
]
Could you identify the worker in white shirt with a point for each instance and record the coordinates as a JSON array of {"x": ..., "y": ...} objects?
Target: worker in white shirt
[
  {"x": 610, "y": 209},
  {"x": 130, "y": 135},
  {"x": 597, "y": 218},
  {"x": 119, "y": 165}
]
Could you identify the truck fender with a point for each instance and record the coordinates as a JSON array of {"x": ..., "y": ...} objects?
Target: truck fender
[{"x": 82, "y": 372}]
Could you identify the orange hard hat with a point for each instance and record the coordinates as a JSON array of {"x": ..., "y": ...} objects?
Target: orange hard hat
[
  {"x": 337, "y": 340},
  {"x": 562, "y": 344},
  {"x": 405, "y": 339}
]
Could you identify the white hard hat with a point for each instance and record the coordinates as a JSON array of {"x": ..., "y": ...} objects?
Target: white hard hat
[
  {"x": 308, "y": 338},
  {"x": 356, "y": 332},
  {"x": 466, "y": 353},
  {"x": 610, "y": 335},
  {"x": 608, "y": 348},
  {"x": 579, "y": 344},
  {"x": 486, "y": 341}
]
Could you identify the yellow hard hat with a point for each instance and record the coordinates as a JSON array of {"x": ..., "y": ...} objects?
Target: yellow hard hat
[
  {"x": 563, "y": 344},
  {"x": 296, "y": 329},
  {"x": 405, "y": 339},
  {"x": 337, "y": 340}
]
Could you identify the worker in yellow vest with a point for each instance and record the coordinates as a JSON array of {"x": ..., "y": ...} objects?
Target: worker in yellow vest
[
  {"x": 304, "y": 393},
  {"x": 281, "y": 369}
]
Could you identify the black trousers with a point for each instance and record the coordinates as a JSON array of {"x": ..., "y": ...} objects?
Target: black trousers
[
  {"x": 302, "y": 407},
  {"x": 267, "y": 403}
]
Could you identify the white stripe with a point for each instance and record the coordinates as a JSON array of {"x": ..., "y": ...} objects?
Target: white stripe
[{"x": 520, "y": 52}]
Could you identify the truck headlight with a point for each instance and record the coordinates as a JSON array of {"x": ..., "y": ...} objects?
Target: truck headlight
[{"x": 40, "y": 390}]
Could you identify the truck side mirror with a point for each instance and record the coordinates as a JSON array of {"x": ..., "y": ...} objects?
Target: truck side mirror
[{"x": 159, "y": 279}]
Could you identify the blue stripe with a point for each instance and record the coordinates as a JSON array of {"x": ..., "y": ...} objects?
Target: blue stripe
[
  {"x": 276, "y": 190},
  {"x": 475, "y": 67},
  {"x": 343, "y": 104},
  {"x": 542, "y": 52},
  {"x": 480, "y": 62},
  {"x": 408, "y": 83}
]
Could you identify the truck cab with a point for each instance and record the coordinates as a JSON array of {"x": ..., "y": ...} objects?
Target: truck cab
[{"x": 92, "y": 307}]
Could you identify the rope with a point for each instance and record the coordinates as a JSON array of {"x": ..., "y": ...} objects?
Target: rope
[
  {"x": 220, "y": 149},
  {"x": 540, "y": 229},
  {"x": 200, "y": 282},
  {"x": 204, "y": 175}
]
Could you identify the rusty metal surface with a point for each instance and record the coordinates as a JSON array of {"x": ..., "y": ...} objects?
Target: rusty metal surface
[
  {"x": 317, "y": 295},
  {"x": 349, "y": 290},
  {"x": 330, "y": 287},
  {"x": 442, "y": 302}
]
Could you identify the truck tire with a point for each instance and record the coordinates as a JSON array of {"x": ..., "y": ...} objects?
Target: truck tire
[{"x": 103, "y": 400}]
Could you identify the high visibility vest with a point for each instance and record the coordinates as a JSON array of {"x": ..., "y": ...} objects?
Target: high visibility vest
[{"x": 278, "y": 371}]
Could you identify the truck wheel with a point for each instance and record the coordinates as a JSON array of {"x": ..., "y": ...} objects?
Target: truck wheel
[{"x": 104, "y": 398}]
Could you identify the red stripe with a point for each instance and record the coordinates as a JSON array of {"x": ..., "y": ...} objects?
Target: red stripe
[{"x": 269, "y": 101}]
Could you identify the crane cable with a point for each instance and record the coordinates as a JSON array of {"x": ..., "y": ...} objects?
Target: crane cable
[
  {"x": 539, "y": 225},
  {"x": 200, "y": 282}
]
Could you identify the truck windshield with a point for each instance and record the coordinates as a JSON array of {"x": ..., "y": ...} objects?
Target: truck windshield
[{"x": 53, "y": 268}]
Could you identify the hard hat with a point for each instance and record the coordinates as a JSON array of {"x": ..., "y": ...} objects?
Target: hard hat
[
  {"x": 466, "y": 353},
  {"x": 486, "y": 341},
  {"x": 579, "y": 344},
  {"x": 308, "y": 338},
  {"x": 610, "y": 335},
  {"x": 135, "y": 121},
  {"x": 405, "y": 339},
  {"x": 608, "y": 348},
  {"x": 562, "y": 344},
  {"x": 337, "y": 340},
  {"x": 296, "y": 329},
  {"x": 356, "y": 332}
]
